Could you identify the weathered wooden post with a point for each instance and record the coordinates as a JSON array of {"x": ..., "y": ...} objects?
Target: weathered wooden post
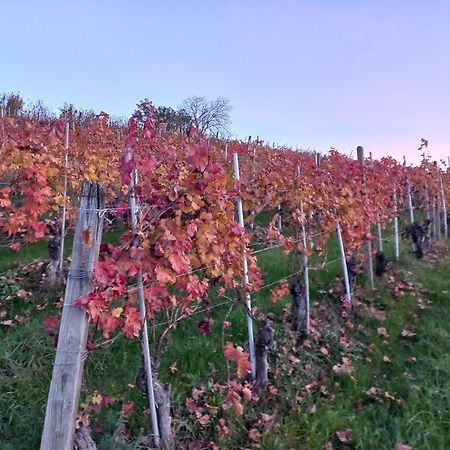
[
  {"x": 368, "y": 244},
  {"x": 63, "y": 397}
]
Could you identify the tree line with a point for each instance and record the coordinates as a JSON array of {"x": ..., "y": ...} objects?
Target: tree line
[{"x": 209, "y": 117}]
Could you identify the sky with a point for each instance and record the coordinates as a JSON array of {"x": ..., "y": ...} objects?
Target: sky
[{"x": 309, "y": 74}]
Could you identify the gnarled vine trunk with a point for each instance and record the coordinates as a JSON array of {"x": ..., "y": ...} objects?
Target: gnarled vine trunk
[
  {"x": 162, "y": 400},
  {"x": 299, "y": 308},
  {"x": 83, "y": 439},
  {"x": 264, "y": 344},
  {"x": 53, "y": 275}
]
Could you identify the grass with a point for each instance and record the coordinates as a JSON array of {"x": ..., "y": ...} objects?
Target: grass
[{"x": 422, "y": 420}]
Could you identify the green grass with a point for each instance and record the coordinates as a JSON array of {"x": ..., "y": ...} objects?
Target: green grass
[{"x": 422, "y": 421}]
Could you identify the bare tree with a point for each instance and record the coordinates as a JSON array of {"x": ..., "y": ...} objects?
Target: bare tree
[
  {"x": 11, "y": 104},
  {"x": 38, "y": 111},
  {"x": 209, "y": 117}
]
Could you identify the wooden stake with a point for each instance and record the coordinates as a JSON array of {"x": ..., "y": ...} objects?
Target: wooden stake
[
  {"x": 63, "y": 221},
  {"x": 368, "y": 244},
  {"x": 409, "y": 197},
  {"x": 396, "y": 240},
  {"x": 344, "y": 264},
  {"x": 444, "y": 209},
  {"x": 65, "y": 386},
  {"x": 251, "y": 342},
  {"x": 427, "y": 203},
  {"x": 305, "y": 264},
  {"x": 379, "y": 237}
]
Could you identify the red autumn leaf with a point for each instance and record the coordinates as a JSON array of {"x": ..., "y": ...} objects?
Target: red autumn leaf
[
  {"x": 191, "y": 405},
  {"x": 93, "y": 304},
  {"x": 108, "y": 323},
  {"x": 51, "y": 324},
  {"x": 233, "y": 400},
  {"x": 132, "y": 324},
  {"x": 127, "y": 410},
  {"x": 104, "y": 272},
  {"x": 97, "y": 426},
  {"x": 204, "y": 325},
  {"x": 222, "y": 428},
  {"x": 247, "y": 393},
  {"x": 254, "y": 435},
  {"x": 242, "y": 359},
  {"x": 203, "y": 420},
  {"x": 279, "y": 292},
  {"x": 15, "y": 246}
]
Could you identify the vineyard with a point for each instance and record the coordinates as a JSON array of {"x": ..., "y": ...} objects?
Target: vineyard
[{"x": 219, "y": 294}]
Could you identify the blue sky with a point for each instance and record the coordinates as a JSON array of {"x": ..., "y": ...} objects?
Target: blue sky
[{"x": 305, "y": 73}]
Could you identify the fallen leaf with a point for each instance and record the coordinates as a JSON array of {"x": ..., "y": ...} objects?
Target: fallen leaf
[
  {"x": 254, "y": 435},
  {"x": 204, "y": 420},
  {"x": 407, "y": 333},
  {"x": 173, "y": 367},
  {"x": 382, "y": 332},
  {"x": 345, "y": 435},
  {"x": 402, "y": 447}
]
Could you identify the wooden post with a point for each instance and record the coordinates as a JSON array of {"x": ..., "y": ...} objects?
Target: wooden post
[
  {"x": 63, "y": 397},
  {"x": 251, "y": 342},
  {"x": 143, "y": 312},
  {"x": 368, "y": 244}
]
